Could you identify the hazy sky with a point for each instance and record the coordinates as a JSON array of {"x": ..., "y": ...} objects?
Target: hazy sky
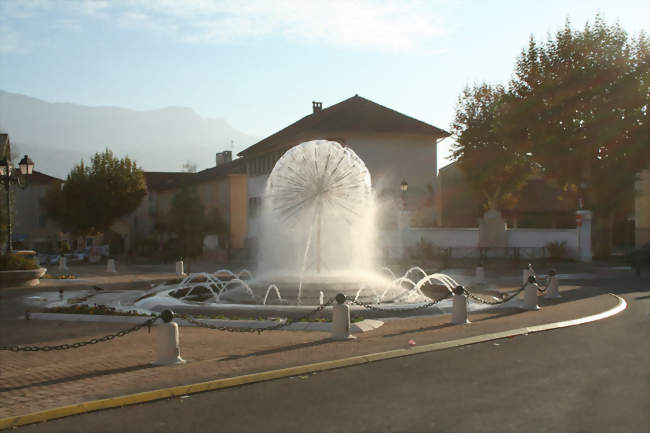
[{"x": 259, "y": 64}]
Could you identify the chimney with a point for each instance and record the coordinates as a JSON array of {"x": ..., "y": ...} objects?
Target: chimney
[
  {"x": 224, "y": 157},
  {"x": 316, "y": 106}
]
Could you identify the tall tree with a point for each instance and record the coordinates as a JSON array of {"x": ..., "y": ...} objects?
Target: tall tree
[
  {"x": 579, "y": 102},
  {"x": 187, "y": 223},
  {"x": 94, "y": 196},
  {"x": 495, "y": 168}
]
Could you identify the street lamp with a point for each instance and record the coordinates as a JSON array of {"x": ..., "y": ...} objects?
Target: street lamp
[
  {"x": 9, "y": 177},
  {"x": 404, "y": 186}
]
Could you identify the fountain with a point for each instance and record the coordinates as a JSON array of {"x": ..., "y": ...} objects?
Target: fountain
[
  {"x": 316, "y": 224},
  {"x": 317, "y": 237}
]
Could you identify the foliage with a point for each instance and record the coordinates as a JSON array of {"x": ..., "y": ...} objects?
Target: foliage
[
  {"x": 16, "y": 262},
  {"x": 557, "y": 249},
  {"x": 59, "y": 277},
  {"x": 94, "y": 196},
  {"x": 116, "y": 245},
  {"x": 3, "y": 214},
  {"x": 580, "y": 103},
  {"x": 494, "y": 167},
  {"x": 187, "y": 223},
  {"x": 95, "y": 309},
  {"x": 190, "y": 167}
]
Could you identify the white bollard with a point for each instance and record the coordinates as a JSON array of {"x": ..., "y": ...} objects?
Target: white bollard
[
  {"x": 553, "y": 287},
  {"x": 169, "y": 352},
  {"x": 525, "y": 274},
  {"x": 459, "y": 310},
  {"x": 180, "y": 272},
  {"x": 480, "y": 274},
  {"x": 341, "y": 320},
  {"x": 530, "y": 297},
  {"x": 110, "y": 265},
  {"x": 62, "y": 264}
]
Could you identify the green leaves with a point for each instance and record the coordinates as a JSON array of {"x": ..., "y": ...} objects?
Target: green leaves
[
  {"x": 94, "y": 196},
  {"x": 188, "y": 223},
  {"x": 580, "y": 102},
  {"x": 494, "y": 166},
  {"x": 576, "y": 111}
]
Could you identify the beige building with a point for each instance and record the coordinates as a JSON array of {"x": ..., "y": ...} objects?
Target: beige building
[
  {"x": 32, "y": 229},
  {"x": 642, "y": 209},
  {"x": 222, "y": 192},
  {"x": 394, "y": 147}
]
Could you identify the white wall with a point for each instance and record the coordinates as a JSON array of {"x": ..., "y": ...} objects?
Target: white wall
[
  {"x": 390, "y": 158},
  {"x": 537, "y": 238},
  {"x": 443, "y": 238},
  {"x": 464, "y": 241}
]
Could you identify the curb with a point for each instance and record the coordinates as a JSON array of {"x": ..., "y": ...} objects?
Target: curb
[{"x": 212, "y": 385}]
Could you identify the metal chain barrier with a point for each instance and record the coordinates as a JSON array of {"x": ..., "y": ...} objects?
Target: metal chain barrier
[
  {"x": 109, "y": 337},
  {"x": 396, "y": 310},
  {"x": 277, "y": 326},
  {"x": 504, "y": 297}
]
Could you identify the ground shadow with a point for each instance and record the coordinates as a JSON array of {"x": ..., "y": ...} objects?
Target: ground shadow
[
  {"x": 278, "y": 349},
  {"x": 80, "y": 377},
  {"x": 411, "y": 331}
]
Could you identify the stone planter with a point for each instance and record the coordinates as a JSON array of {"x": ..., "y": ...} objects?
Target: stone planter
[{"x": 21, "y": 278}]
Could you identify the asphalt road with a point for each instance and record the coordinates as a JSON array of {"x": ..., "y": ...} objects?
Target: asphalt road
[{"x": 588, "y": 378}]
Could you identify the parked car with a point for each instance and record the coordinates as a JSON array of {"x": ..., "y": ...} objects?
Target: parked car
[
  {"x": 640, "y": 258},
  {"x": 82, "y": 254},
  {"x": 73, "y": 259},
  {"x": 53, "y": 259}
]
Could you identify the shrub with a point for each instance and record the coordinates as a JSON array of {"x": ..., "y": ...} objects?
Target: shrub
[
  {"x": 556, "y": 249},
  {"x": 16, "y": 262}
]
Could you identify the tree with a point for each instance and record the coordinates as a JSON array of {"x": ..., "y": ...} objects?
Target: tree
[
  {"x": 494, "y": 167},
  {"x": 188, "y": 224},
  {"x": 579, "y": 103},
  {"x": 94, "y": 196}
]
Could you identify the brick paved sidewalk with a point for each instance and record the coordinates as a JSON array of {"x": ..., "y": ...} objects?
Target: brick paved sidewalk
[{"x": 34, "y": 381}]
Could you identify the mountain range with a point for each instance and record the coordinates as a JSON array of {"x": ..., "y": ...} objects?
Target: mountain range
[{"x": 58, "y": 135}]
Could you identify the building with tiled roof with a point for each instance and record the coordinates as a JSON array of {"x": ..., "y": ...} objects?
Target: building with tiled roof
[
  {"x": 541, "y": 203},
  {"x": 32, "y": 229},
  {"x": 393, "y": 146},
  {"x": 222, "y": 191}
]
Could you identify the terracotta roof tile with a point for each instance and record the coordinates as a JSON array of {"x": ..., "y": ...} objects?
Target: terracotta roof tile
[{"x": 353, "y": 114}]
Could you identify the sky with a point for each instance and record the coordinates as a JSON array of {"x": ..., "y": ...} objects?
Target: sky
[{"x": 259, "y": 64}]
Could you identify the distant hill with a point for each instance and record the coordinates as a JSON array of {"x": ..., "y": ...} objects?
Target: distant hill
[{"x": 58, "y": 135}]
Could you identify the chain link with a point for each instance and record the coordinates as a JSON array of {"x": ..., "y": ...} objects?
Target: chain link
[
  {"x": 17, "y": 348},
  {"x": 397, "y": 310},
  {"x": 504, "y": 297},
  {"x": 277, "y": 326}
]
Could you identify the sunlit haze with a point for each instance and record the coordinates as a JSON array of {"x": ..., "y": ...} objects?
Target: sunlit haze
[{"x": 259, "y": 64}]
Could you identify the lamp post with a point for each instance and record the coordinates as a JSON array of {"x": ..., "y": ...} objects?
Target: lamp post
[
  {"x": 404, "y": 186},
  {"x": 9, "y": 177}
]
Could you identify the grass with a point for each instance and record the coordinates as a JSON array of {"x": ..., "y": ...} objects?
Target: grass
[
  {"x": 110, "y": 311},
  {"x": 17, "y": 262},
  {"x": 94, "y": 309},
  {"x": 59, "y": 277}
]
